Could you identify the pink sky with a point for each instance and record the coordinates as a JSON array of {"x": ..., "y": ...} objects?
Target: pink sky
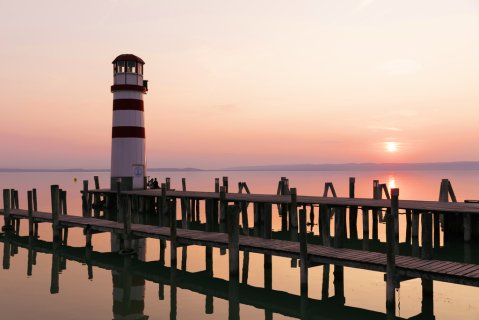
[{"x": 243, "y": 82}]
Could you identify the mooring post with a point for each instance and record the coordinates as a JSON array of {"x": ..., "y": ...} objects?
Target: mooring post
[
  {"x": 225, "y": 184},
  {"x": 233, "y": 241},
  {"x": 391, "y": 251},
  {"x": 97, "y": 187},
  {"x": 303, "y": 248},
  {"x": 339, "y": 224},
  {"x": 30, "y": 213},
  {"x": 16, "y": 200},
  {"x": 172, "y": 233},
  {"x": 244, "y": 217},
  {"x": 426, "y": 235},
  {"x": 217, "y": 185},
  {"x": 6, "y": 208},
  {"x": 353, "y": 211},
  {"x": 85, "y": 198},
  {"x": 55, "y": 211},
  {"x": 325, "y": 225},
  {"x": 377, "y": 195},
  {"x": 168, "y": 183},
  {"x": 365, "y": 222},
  {"x": 223, "y": 206},
  {"x": 293, "y": 219},
  {"x": 163, "y": 206},
  {"x": 415, "y": 224},
  {"x": 127, "y": 222}
]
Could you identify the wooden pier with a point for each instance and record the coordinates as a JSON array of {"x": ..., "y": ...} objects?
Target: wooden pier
[{"x": 225, "y": 210}]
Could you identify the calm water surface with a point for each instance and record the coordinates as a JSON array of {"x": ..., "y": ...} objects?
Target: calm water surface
[{"x": 99, "y": 292}]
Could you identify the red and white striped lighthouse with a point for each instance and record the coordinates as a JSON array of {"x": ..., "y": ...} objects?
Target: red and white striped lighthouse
[{"x": 128, "y": 160}]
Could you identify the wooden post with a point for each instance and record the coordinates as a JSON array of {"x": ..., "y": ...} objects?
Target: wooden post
[
  {"x": 244, "y": 217},
  {"x": 426, "y": 235},
  {"x": 225, "y": 184},
  {"x": 223, "y": 206},
  {"x": 325, "y": 225},
  {"x": 85, "y": 198},
  {"x": 16, "y": 200},
  {"x": 467, "y": 227},
  {"x": 365, "y": 222},
  {"x": 353, "y": 211},
  {"x": 233, "y": 241},
  {"x": 6, "y": 208},
  {"x": 163, "y": 206},
  {"x": 303, "y": 246},
  {"x": 293, "y": 212},
  {"x": 377, "y": 194},
  {"x": 97, "y": 187},
  {"x": 30, "y": 213},
  {"x": 168, "y": 183},
  {"x": 55, "y": 211},
  {"x": 217, "y": 185},
  {"x": 126, "y": 208},
  {"x": 391, "y": 251},
  {"x": 172, "y": 233},
  {"x": 34, "y": 193},
  {"x": 415, "y": 224},
  {"x": 339, "y": 221}
]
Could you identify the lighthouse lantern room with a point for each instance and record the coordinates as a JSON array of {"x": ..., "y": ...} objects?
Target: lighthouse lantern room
[{"x": 128, "y": 160}]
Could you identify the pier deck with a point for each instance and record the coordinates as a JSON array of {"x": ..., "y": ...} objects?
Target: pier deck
[
  {"x": 419, "y": 205},
  {"x": 448, "y": 271}
]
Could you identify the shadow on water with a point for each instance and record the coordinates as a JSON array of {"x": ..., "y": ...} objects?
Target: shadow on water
[{"x": 129, "y": 273}]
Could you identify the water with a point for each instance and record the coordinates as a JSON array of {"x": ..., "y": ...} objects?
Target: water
[{"x": 78, "y": 297}]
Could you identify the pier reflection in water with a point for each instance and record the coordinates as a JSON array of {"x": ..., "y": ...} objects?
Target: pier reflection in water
[{"x": 129, "y": 273}]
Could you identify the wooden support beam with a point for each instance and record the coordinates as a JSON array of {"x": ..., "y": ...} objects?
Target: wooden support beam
[
  {"x": 391, "y": 251},
  {"x": 325, "y": 225},
  {"x": 233, "y": 241},
  {"x": 303, "y": 251},
  {"x": 353, "y": 211},
  {"x": 55, "y": 197},
  {"x": 30, "y": 213},
  {"x": 6, "y": 208},
  {"x": 293, "y": 211},
  {"x": 85, "y": 198}
]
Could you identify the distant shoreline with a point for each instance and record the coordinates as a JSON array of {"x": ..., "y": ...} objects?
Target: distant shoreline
[{"x": 431, "y": 166}]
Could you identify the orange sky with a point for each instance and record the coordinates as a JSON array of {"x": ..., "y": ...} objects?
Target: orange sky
[{"x": 243, "y": 82}]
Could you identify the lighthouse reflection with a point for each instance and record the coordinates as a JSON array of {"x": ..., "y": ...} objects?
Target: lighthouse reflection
[{"x": 128, "y": 288}]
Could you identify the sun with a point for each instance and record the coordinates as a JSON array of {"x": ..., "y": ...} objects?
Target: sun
[{"x": 391, "y": 146}]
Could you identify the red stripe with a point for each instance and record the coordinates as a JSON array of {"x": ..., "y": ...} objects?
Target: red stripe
[
  {"x": 128, "y": 104},
  {"x": 128, "y": 132},
  {"x": 128, "y": 87}
]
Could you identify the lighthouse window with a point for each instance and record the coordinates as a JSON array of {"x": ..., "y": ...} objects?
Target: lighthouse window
[
  {"x": 120, "y": 66},
  {"x": 140, "y": 68},
  {"x": 131, "y": 66}
]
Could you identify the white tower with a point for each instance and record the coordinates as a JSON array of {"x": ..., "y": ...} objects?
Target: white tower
[{"x": 128, "y": 160}]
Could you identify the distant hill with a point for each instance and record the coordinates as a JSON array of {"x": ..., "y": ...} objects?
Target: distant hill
[
  {"x": 93, "y": 170},
  {"x": 460, "y": 165}
]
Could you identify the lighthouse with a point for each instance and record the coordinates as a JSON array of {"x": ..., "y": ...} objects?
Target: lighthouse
[{"x": 128, "y": 159}]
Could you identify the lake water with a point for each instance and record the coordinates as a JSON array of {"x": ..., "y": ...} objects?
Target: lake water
[{"x": 100, "y": 293}]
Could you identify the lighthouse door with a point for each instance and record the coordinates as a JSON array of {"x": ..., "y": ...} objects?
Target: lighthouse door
[{"x": 138, "y": 176}]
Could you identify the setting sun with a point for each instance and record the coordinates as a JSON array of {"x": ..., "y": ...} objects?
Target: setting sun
[{"x": 391, "y": 146}]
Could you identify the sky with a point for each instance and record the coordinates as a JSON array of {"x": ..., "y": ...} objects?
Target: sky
[{"x": 243, "y": 82}]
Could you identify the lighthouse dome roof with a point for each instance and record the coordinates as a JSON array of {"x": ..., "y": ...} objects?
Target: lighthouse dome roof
[{"x": 128, "y": 57}]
